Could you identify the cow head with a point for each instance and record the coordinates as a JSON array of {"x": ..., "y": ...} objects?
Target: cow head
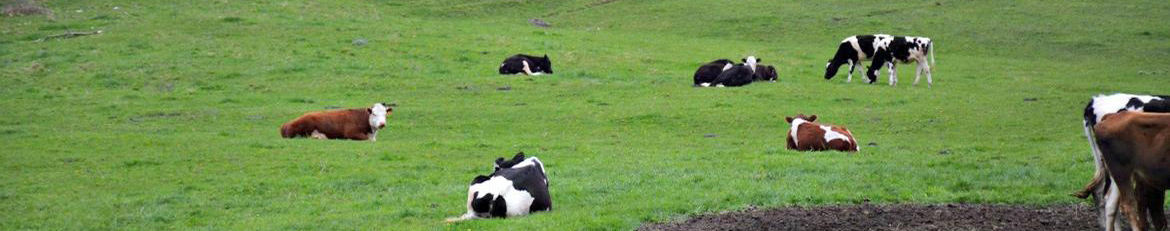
[
  {"x": 378, "y": 115},
  {"x": 831, "y": 68},
  {"x": 751, "y": 61},
  {"x": 544, "y": 64},
  {"x": 766, "y": 73},
  {"x": 811, "y": 118}
]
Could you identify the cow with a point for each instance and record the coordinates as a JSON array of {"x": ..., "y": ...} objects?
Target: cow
[
  {"x": 724, "y": 73},
  {"x": 526, "y": 64},
  {"x": 516, "y": 187},
  {"x": 708, "y": 72},
  {"x": 891, "y": 51},
  {"x": 745, "y": 73},
  {"x": 808, "y": 135},
  {"x": 354, "y": 124},
  {"x": 1100, "y": 188},
  {"x": 853, "y": 50},
  {"x": 1135, "y": 147}
]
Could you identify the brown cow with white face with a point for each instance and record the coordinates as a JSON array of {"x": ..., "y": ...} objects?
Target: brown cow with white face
[
  {"x": 354, "y": 124},
  {"x": 808, "y": 135},
  {"x": 1135, "y": 147}
]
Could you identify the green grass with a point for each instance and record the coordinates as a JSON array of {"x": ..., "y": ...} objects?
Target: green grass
[{"x": 168, "y": 120}]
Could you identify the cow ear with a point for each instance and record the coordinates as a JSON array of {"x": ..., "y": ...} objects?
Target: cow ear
[
  {"x": 788, "y": 118},
  {"x": 743, "y": 60},
  {"x": 480, "y": 179},
  {"x": 812, "y": 118},
  {"x": 519, "y": 155},
  {"x": 759, "y": 60},
  {"x": 370, "y": 110},
  {"x": 499, "y": 161}
]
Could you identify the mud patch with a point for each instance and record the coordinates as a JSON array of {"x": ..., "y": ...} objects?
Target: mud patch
[{"x": 894, "y": 217}]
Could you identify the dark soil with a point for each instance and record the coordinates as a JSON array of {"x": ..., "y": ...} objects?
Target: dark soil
[{"x": 895, "y": 217}]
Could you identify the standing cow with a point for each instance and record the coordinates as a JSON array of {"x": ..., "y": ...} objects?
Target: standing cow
[
  {"x": 355, "y": 124},
  {"x": 891, "y": 51},
  {"x": 526, "y": 64},
  {"x": 708, "y": 72},
  {"x": 853, "y": 50},
  {"x": 1104, "y": 195},
  {"x": 808, "y": 135},
  {"x": 1135, "y": 147},
  {"x": 517, "y": 187}
]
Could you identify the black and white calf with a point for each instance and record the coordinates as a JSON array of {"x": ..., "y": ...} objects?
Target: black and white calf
[
  {"x": 1106, "y": 196},
  {"x": 708, "y": 72},
  {"x": 526, "y": 64},
  {"x": 890, "y": 51},
  {"x": 518, "y": 186},
  {"x": 853, "y": 50},
  {"x": 745, "y": 73}
]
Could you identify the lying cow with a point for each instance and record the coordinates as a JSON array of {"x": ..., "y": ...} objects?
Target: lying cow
[
  {"x": 808, "y": 135},
  {"x": 355, "y": 124},
  {"x": 891, "y": 51},
  {"x": 708, "y": 72},
  {"x": 526, "y": 64},
  {"x": 517, "y": 187},
  {"x": 745, "y": 73},
  {"x": 853, "y": 50},
  {"x": 1135, "y": 147},
  {"x": 1104, "y": 195}
]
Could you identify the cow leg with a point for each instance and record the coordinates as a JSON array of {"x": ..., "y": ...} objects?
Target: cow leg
[
  {"x": 917, "y": 73},
  {"x": 1153, "y": 203},
  {"x": 1108, "y": 207},
  {"x": 851, "y": 68},
  {"x": 318, "y": 135},
  {"x": 893, "y": 75},
  {"x": 527, "y": 71},
  {"x": 1130, "y": 202},
  {"x": 929, "y": 81}
]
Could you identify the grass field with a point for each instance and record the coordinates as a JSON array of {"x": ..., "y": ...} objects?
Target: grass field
[{"x": 169, "y": 119}]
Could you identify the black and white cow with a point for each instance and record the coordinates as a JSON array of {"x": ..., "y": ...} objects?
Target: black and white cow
[
  {"x": 853, "y": 50},
  {"x": 1101, "y": 188},
  {"x": 708, "y": 72},
  {"x": 745, "y": 73},
  {"x": 518, "y": 186},
  {"x": 526, "y": 64},
  {"x": 890, "y": 51}
]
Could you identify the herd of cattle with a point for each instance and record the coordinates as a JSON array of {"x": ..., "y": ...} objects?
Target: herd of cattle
[{"x": 1129, "y": 134}]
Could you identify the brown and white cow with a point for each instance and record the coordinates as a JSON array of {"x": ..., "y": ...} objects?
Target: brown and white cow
[
  {"x": 808, "y": 135},
  {"x": 1135, "y": 147},
  {"x": 354, "y": 124}
]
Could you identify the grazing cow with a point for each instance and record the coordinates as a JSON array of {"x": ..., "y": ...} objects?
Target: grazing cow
[
  {"x": 853, "y": 50},
  {"x": 1135, "y": 147},
  {"x": 518, "y": 186},
  {"x": 808, "y": 135},
  {"x": 708, "y": 72},
  {"x": 1104, "y": 195},
  {"x": 891, "y": 51},
  {"x": 526, "y": 64},
  {"x": 355, "y": 124}
]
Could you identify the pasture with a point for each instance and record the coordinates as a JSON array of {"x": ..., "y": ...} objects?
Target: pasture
[{"x": 169, "y": 119}]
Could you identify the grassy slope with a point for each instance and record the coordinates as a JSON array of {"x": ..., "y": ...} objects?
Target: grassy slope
[{"x": 169, "y": 119}]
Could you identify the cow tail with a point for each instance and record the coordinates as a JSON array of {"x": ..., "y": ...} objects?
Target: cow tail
[{"x": 931, "y": 47}]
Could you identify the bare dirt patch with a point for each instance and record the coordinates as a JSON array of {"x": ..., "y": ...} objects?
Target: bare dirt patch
[{"x": 894, "y": 217}]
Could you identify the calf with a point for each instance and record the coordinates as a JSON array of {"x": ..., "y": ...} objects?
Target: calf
[
  {"x": 355, "y": 124},
  {"x": 853, "y": 50},
  {"x": 526, "y": 64},
  {"x": 808, "y": 135},
  {"x": 745, "y": 73},
  {"x": 905, "y": 50},
  {"x": 1135, "y": 147},
  {"x": 1104, "y": 195},
  {"x": 517, "y": 187},
  {"x": 708, "y": 72}
]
